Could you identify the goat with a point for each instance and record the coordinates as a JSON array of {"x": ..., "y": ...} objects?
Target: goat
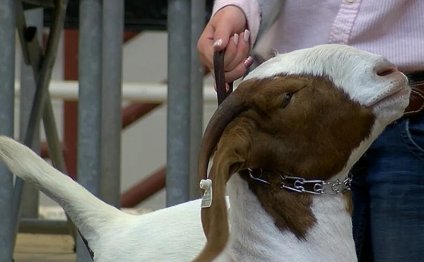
[{"x": 298, "y": 122}]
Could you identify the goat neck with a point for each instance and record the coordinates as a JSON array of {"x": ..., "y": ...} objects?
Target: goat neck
[{"x": 255, "y": 236}]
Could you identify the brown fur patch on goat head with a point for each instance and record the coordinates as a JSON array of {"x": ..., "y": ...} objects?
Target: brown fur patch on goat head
[{"x": 301, "y": 125}]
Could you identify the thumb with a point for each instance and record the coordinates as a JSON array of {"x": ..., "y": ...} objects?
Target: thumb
[{"x": 222, "y": 36}]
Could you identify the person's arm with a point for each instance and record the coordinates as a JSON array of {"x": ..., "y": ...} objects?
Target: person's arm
[{"x": 260, "y": 14}]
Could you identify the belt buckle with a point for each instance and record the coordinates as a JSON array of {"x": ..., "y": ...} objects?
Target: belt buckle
[
  {"x": 416, "y": 102},
  {"x": 416, "y": 99}
]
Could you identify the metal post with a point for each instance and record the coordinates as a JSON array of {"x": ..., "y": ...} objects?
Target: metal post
[
  {"x": 89, "y": 108},
  {"x": 7, "y": 80},
  {"x": 198, "y": 9},
  {"x": 178, "y": 111},
  {"x": 113, "y": 28},
  {"x": 30, "y": 195},
  {"x": 42, "y": 69}
]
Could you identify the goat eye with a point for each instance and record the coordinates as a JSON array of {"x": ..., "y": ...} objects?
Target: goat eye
[{"x": 286, "y": 99}]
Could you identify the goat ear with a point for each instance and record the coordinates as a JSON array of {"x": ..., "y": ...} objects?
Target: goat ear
[
  {"x": 214, "y": 218},
  {"x": 226, "y": 162}
]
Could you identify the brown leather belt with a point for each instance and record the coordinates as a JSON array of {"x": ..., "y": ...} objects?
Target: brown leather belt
[{"x": 416, "y": 100}]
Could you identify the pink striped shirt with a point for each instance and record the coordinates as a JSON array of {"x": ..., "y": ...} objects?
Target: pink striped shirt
[{"x": 392, "y": 28}]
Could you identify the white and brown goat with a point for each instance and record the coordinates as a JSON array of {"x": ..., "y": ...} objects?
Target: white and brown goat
[{"x": 298, "y": 122}]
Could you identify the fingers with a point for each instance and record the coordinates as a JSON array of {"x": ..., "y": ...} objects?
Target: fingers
[
  {"x": 238, "y": 71},
  {"x": 237, "y": 51},
  {"x": 236, "y": 57}
]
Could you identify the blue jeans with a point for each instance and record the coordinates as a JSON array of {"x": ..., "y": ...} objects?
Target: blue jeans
[{"x": 388, "y": 195}]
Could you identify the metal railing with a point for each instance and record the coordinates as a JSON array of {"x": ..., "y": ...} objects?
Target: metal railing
[{"x": 100, "y": 80}]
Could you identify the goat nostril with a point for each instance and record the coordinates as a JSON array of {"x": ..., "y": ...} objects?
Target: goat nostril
[{"x": 386, "y": 71}]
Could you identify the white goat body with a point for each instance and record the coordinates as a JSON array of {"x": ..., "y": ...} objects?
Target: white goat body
[{"x": 175, "y": 233}]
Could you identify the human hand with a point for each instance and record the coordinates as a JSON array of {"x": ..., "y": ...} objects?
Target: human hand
[{"x": 227, "y": 29}]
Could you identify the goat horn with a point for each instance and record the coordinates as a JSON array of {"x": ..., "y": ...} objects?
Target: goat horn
[{"x": 226, "y": 112}]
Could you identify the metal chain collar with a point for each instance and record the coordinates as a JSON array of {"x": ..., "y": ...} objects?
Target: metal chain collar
[{"x": 299, "y": 184}]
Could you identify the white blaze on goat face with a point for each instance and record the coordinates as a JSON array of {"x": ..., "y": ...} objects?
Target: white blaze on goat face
[{"x": 365, "y": 77}]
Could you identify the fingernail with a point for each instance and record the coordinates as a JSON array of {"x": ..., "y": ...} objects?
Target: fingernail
[
  {"x": 246, "y": 35},
  {"x": 248, "y": 62},
  {"x": 236, "y": 39},
  {"x": 217, "y": 43}
]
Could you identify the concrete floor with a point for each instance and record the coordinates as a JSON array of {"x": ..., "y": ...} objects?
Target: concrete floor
[{"x": 44, "y": 248}]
